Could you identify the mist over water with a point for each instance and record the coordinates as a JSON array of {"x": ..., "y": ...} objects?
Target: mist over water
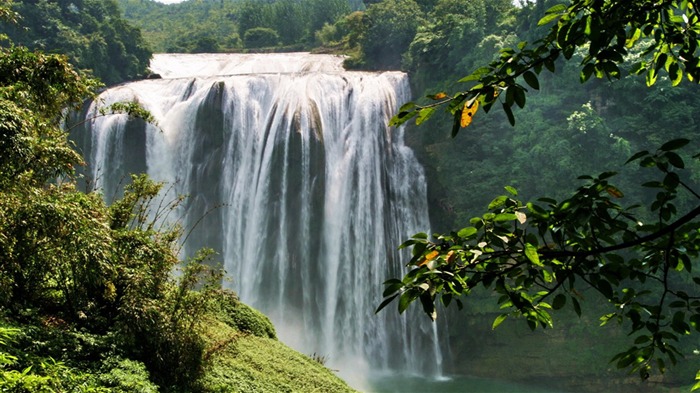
[{"x": 295, "y": 180}]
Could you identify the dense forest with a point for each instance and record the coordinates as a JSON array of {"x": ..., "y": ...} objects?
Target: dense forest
[
  {"x": 234, "y": 25},
  {"x": 521, "y": 253},
  {"x": 90, "y": 300},
  {"x": 92, "y": 33}
]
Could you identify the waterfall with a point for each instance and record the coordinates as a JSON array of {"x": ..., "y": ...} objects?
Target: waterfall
[{"x": 295, "y": 180}]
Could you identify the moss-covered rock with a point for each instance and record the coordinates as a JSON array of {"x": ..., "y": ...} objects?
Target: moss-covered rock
[{"x": 242, "y": 317}]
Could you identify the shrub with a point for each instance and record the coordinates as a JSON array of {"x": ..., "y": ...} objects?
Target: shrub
[
  {"x": 260, "y": 37},
  {"x": 243, "y": 317}
]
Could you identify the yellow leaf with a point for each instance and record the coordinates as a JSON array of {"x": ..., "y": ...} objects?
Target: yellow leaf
[
  {"x": 429, "y": 257},
  {"x": 451, "y": 256},
  {"x": 468, "y": 112},
  {"x": 614, "y": 192},
  {"x": 439, "y": 96}
]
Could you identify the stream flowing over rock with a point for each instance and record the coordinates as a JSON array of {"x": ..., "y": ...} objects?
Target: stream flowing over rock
[{"x": 297, "y": 183}]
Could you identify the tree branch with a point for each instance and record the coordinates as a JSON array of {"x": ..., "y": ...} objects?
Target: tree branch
[{"x": 651, "y": 237}]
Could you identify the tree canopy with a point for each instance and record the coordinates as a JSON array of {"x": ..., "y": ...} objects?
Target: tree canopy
[
  {"x": 91, "y": 33},
  {"x": 221, "y": 26},
  {"x": 541, "y": 255},
  {"x": 89, "y": 297}
]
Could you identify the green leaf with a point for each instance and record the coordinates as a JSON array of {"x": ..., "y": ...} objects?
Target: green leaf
[
  {"x": 407, "y": 107},
  {"x": 446, "y": 299},
  {"x": 466, "y": 232},
  {"x": 531, "y": 79},
  {"x": 499, "y": 320},
  {"x": 402, "y": 117},
  {"x": 626, "y": 360},
  {"x": 502, "y": 217},
  {"x": 509, "y": 113},
  {"x": 536, "y": 210},
  {"x": 552, "y": 14},
  {"x": 577, "y": 306},
  {"x": 428, "y": 306},
  {"x": 633, "y": 37},
  {"x": 651, "y": 77},
  {"x": 548, "y": 18},
  {"x": 661, "y": 364},
  {"x": 532, "y": 255},
  {"x": 559, "y": 301},
  {"x": 511, "y": 190},
  {"x": 392, "y": 287},
  {"x": 498, "y": 202},
  {"x": 385, "y": 303},
  {"x": 456, "y": 123},
  {"x": 671, "y": 180},
  {"x": 675, "y": 74},
  {"x": 606, "y": 318},
  {"x": 637, "y": 156},
  {"x": 476, "y": 75},
  {"x": 586, "y": 72},
  {"x": 674, "y": 144},
  {"x": 642, "y": 339},
  {"x": 557, "y": 9},
  {"x": 547, "y": 276},
  {"x": 549, "y": 64},
  {"x": 424, "y": 114},
  {"x": 675, "y": 160},
  {"x": 519, "y": 96},
  {"x": 605, "y": 288},
  {"x": 406, "y": 299}
]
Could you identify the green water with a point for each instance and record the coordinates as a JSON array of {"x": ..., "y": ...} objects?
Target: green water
[{"x": 457, "y": 384}]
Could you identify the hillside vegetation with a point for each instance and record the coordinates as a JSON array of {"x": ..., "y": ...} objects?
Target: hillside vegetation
[
  {"x": 92, "y": 33},
  {"x": 93, "y": 297},
  {"x": 206, "y": 26}
]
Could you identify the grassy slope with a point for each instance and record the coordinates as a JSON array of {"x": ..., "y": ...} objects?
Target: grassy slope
[
  {"x": 244, "y": 356},
  {"x": 248, "y": 363},
  {"x": 241, "y": 354}
]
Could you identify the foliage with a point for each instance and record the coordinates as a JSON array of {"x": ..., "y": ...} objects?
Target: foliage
[
  {"x": 91, "y": 33},
  {"x": 295, "y": 21},
  {"x": 447, "y": 44},
  {"x": 93, "y": 298},
  {"x": 250, "y": 363},
  {"x": 388, "y": 28},
  {"x": 242, "y": 317},
  {"x": 536, "y": 257},
  {"x": 220, "y": 26},
  {"x": 343, "y": 37},
  {"x": 260, "y": 37},
  {"x": 125, "y": 375},
  {"x": 666, "y": 32},
  {"x": 44, "y": 375},
  {"x": 191, "y": 26},
  {"x": 541, "y": 256}
]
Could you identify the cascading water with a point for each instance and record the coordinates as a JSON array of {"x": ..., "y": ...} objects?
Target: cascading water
[{"x": 296, "y": 181}]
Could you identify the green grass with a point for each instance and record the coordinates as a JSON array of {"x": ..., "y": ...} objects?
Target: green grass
[
  {"x": 244, "y": 356},
  {"x": 241, "y": 354}
]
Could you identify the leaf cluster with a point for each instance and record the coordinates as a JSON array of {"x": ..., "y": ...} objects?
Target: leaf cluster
[
  {"x": 542, "y": 256},
  {"x": 605, "y": 31},
  {"x": 91, "y": 33}
]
